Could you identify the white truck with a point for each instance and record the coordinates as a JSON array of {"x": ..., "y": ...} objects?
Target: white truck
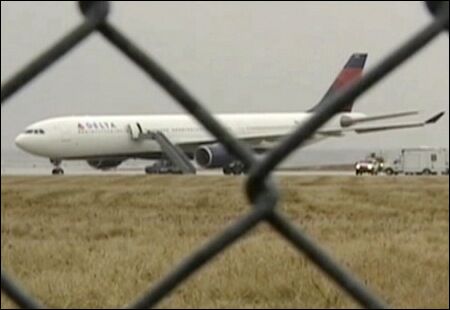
[{"x": 419, "y": 161}]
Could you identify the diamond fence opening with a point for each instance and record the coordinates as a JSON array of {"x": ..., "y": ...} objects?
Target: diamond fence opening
[{"x": 260, "y": 187}]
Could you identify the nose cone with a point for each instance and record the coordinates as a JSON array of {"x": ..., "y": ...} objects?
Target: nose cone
[
  {"x": 26, "y": 143},
  {"x": 21, "y": 142},
  {"x": 29, "y": 144}
]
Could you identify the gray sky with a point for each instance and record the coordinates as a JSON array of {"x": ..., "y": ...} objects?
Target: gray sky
[{"x": 234, "y": 57}]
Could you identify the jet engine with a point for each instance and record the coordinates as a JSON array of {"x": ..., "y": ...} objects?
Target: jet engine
[
  {"x": 104, "y": 164},
  {"x": 213, "y": 156},
  {"x": 348, "y": 120}
]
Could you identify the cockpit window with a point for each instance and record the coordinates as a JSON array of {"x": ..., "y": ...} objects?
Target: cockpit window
[{"x": 35, "y": 132}]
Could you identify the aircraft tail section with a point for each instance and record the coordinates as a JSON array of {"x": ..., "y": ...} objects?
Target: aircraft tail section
[{"x": 352, "y": 71}]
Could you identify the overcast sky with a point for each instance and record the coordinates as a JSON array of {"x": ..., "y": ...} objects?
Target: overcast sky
[{"x": 234, "y": 57}]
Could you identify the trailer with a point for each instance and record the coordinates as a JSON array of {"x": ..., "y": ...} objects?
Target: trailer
[{"x": 419, "y": 161}]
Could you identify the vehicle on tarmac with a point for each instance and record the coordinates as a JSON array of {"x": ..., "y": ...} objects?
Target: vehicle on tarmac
[
  {"x": 419, "y": 161},
  {"x": 163, "y": 167},
  {"x": 370, "y": 166}
]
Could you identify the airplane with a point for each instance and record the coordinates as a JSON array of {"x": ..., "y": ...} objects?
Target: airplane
[{"x": 105, "y": 142}]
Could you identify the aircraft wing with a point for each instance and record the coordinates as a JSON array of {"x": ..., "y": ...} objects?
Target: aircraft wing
[
  {"x": 338, "y": 132},
  {"x": 270, "y": 138},
  {"x": 368, "y": 129}
]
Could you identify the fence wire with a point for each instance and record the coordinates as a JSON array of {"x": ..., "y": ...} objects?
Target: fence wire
[{"x": 260, "y": 187}]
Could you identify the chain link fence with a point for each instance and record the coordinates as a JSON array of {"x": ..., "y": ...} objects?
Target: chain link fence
[{"x": 260, "y": 187}]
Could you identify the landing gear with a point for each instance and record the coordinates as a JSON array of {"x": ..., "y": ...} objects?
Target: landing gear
[
  {"x": 57, "y": 170},
  {"x": 235, "y": 167}
]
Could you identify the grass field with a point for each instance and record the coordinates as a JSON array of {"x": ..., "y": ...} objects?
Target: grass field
[{"x": 100, "y": 241}]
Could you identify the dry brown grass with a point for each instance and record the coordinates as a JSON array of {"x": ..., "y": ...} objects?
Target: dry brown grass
[{"x": 100, "y": 241}]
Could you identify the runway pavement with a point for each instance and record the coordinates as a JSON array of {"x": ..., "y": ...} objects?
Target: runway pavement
[{"x": 137, "y": 170}]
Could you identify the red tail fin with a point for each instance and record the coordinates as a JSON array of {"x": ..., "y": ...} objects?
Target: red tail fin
[{"x": 352, "y": 71}]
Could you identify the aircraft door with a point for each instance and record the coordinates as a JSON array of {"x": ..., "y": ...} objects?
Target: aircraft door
[{"x": 135, "y": 131}]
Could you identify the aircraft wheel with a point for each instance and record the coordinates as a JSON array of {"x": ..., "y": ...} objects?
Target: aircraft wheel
[
  {"x": 427, "y": 172},
  {"x": 57, "y": 171},
  {"x": 389, "y": 171}
]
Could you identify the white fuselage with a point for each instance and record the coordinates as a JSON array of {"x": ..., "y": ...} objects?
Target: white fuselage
[{"x": 85, "y": 137}]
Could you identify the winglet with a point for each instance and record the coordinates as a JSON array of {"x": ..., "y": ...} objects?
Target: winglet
[{"x": 435, "y": 118}]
